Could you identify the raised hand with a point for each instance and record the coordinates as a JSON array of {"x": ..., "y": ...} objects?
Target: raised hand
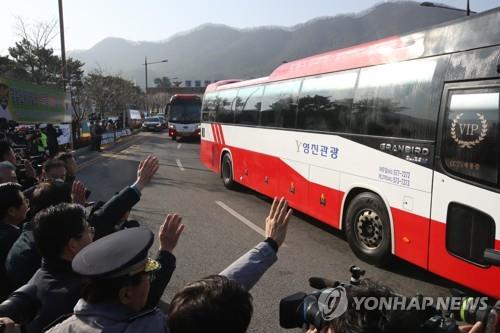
[
  {"x": 146, "y": 171},
  {"x": 277, "y": 220},
  {"x": 477, "y": 328},
  {"x": 78, "y": 193},
  {"x": 170, "y": 231}
]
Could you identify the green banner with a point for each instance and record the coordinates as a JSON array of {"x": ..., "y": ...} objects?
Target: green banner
[{"x": 28, "y": 103}]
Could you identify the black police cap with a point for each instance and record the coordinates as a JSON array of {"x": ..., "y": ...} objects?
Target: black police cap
[{"x": 122, "y": 253}]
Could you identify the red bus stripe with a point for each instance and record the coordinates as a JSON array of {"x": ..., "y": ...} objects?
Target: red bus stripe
[
  {"x": 214, "y": 132},
  {"x": 221, "y": 134},
  {"x": 216, "y": 126}
]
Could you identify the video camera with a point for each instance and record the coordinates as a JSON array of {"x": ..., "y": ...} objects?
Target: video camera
[
  {"x": 331, "y": 300},
  {"x": 301, "y": 308}
]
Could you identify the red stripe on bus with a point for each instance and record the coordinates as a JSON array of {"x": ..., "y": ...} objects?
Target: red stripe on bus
[
  {"x": 221, "y": 134},
  {"x": 219, "y": 138},
  {"x": 214, "y": 132}
]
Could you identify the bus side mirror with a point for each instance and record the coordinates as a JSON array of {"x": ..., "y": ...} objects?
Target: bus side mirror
[{"x": 492, "y": 257}]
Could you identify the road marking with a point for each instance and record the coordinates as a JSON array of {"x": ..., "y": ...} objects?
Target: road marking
[
  {"x": 179, "y": 146},
  {"x": 243, "y": 219},
  {"x": 179, "y": 164}
]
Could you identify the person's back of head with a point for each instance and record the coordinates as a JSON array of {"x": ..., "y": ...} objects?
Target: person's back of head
[
  {"x": 6, "y": 152},
  {"x": 212, "y": 304},
  {"x": 7, "y": 172},
  {"x": 48, "y": 194},
  {"x": 60, "y": 231},
  {"x": 11, "y": 201}
]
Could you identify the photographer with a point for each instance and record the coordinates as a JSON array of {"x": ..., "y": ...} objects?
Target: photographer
[
  {"x": 25, "y": 173},
  {"x": 362, "y": 320}
]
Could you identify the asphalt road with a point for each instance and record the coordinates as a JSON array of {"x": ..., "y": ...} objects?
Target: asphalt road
[{"x": 213, "y": 237}]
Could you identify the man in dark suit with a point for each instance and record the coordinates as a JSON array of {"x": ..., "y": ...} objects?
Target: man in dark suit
[{"x": 13, "y": 209}]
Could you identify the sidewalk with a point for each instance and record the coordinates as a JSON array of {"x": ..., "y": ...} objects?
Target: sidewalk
[{"x": 85, "y": 154}]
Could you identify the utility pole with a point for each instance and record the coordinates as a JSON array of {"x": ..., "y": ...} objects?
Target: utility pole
[
  {"x": 146, "y": 63},
  {"x": 146, "y": 92},
  {"x": 63, "y": 47}
]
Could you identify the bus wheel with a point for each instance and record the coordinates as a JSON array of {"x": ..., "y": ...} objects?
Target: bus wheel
[
  {"x": 368, "y": 229},
  {"x": 227, "y": 173}
]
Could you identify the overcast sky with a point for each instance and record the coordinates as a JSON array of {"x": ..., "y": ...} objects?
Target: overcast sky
[{"x": 89, "y": 21}]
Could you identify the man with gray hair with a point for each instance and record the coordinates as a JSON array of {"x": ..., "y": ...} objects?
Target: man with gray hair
[{"x": 7, "y": 172}]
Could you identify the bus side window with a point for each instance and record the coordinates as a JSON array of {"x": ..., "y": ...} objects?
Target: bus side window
[
  {"x": 247, "y": 105},
  {"x": 279, "y": 104},
  {"x": 471, "y": 146},
  {"x": 224, "y": 113},
  {"x": 208, "y": 109},
  {"x": 394, "y": 100},
  {"x": 325, "y": 102}
]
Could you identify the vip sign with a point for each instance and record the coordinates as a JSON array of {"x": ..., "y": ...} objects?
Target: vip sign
[{"x": 468, "y": 134}]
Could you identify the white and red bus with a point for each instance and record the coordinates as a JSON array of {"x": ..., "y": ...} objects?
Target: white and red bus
[
  {"x": 183, "y": 116},
  {"x": 395, "y": 141}
]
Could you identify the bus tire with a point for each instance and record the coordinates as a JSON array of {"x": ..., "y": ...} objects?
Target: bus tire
[
  {"x": 227, "y": 172},
  {"x": 368, "y": 229}
]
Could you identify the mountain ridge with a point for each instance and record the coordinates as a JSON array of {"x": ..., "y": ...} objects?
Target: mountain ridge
[{"x": 215, "y": 51}]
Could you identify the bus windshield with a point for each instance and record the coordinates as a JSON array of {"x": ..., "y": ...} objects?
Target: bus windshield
[{"x": 185, "y": 112}]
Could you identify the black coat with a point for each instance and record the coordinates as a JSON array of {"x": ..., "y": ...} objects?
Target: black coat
[
  {"x": 8, "y": 235},
  {"x": 107, "y": 218},
  {"x": 23, "y": 259},
  {"x": 52, "y": 134},
  {"x": 58, "y": 289}
]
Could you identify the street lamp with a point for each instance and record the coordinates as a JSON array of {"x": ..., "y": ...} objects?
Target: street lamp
[
  {"x": 146, "y": 63},
  {"x": 431, "y": 4}
]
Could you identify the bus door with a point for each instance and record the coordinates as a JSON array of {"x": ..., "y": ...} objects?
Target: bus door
[{"x": 465, "y": 210}]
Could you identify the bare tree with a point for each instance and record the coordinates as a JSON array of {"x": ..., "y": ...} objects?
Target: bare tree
[
  {"x": 39, "y": 34},
  {"x": 158, "y": 101},
  {"x": 33, "y": 54}
]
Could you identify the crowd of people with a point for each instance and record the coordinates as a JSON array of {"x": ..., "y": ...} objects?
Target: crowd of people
[{"x": 85, "y": 267}]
